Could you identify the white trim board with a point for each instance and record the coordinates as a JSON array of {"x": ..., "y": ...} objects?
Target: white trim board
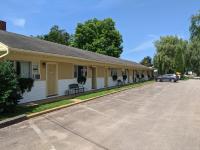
[{"x": 3, "y": 48}]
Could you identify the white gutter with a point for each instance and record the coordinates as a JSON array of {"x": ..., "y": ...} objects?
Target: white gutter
[
  {"x": 76, "y": 58},
  {"x": 3, "y": 48}
]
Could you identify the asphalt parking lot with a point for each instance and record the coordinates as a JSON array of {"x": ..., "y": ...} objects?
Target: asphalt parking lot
[{"x": 159, "y": 116}]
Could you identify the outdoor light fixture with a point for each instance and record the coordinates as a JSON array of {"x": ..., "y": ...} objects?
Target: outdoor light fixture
[{"x": 43, "y": 64}]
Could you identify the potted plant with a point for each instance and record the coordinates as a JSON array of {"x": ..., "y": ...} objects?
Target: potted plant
[
  {"x": 137, "y": 78},
  {"x": 81, "y": 80},
  {"x": 114, "y": 77},
  {"x": 142, "y": 76},
  {"x": 124, "y": 77}
]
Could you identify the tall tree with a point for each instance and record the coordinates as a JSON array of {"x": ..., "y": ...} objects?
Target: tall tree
[
  {"x": 193, "y": 56},
  {"x": 99, "y": 36},
  {"x": 147, "y": 61},
  {"x": 170, "y": 54},
  {"x": 193, "y": 51},
  {"x": 195, "y": 27},
  {"x": 56, "y": 35}
]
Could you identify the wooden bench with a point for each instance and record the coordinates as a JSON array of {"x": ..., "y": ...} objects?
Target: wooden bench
[{"x": 75, "y": 89}]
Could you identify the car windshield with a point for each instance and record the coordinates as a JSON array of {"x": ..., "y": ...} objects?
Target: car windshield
[{"x": 170, "y": 75}]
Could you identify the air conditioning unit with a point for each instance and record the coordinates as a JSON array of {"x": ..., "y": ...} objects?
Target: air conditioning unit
[{"x": 36, "y": 76}]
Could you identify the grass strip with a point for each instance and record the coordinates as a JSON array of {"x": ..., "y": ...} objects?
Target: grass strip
[
  {"x": 113, "y": 90},
  {"x": 34, "y": 109}
]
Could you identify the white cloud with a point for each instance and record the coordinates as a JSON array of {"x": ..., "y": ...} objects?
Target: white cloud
[
  {"x": 143, "y": 46},
  {"x": 20, "y": 22},
  {"x": 148, "y": 44}
]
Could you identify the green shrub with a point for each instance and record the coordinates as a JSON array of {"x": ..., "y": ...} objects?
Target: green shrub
[
  {"x": 11, "y": 87},
  {"x": 8, "y": 84},
  {"x": 114, "y": 77},
  {"x": 81, "y": 79},
  {"x": 25, "y": 84},
  {"x": 185, "y": 78}
]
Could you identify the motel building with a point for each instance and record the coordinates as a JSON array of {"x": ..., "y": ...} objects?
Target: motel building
[{"x": 54, "y": 67}]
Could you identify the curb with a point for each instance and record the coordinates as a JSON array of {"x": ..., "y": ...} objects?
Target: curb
[
  {"x": 32, "y": 115},
  {"x": 13, "y": 120}
]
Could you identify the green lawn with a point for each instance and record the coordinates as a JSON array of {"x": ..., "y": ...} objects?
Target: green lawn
[
  {"x": 107, "y": 91},
  {"x": 41, "y": 107},
  {"x": 33, "y": 109},
  {"x": 95, "y": 94}
]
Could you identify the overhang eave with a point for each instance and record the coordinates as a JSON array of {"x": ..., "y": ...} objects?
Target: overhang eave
[{"x": 3, "y": 50}]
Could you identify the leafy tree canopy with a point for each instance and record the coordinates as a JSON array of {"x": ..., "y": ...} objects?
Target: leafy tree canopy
[
  {"x": 193, "y": 51},
  {"x": 56, "y": 35},
  {"x": 193, "y": 56},
  {"x": 147, "y": 61},
  {"x": 99, "y": 36},
  {"x": 11, "y": 87},
  {"x": 8, "y": 80},
  {"x": 195, "y": 27},
  {"x": 170, "y": 54}
]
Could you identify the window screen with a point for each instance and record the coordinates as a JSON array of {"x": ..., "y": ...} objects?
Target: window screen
[{"x": 23, "y": 69}]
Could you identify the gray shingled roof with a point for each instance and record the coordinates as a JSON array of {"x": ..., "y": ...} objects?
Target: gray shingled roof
[{"x": 14, "y": 40}]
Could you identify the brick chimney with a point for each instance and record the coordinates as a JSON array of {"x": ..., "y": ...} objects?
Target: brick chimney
[{"x": 2, "y": 25}]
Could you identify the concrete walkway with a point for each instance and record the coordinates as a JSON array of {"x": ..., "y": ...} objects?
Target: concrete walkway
[{"x": 160, "y": 116}]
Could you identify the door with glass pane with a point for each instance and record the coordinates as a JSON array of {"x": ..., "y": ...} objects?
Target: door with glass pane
[{"x": 51, "y": 79}]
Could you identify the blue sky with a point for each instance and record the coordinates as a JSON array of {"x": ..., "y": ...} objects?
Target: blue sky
[{"x": 139, "y": 21}]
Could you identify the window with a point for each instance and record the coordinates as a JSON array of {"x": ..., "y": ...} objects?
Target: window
[
  {"x": 113, "y": 72},
  {"x": 125, "y": 72},
  {"x": 35, "y": 68},
  {"x": 80, "y": 71},
  {"x": 36, "y": 71},
  {"x": 23, "y": 69}
]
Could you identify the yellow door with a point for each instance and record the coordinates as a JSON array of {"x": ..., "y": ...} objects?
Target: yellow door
[
  {"x": 106, "y": 77},
  {"x": 128, "y": 77},
  {"x": 51, "y": 79},
  {"x": 94, "y": 82}
]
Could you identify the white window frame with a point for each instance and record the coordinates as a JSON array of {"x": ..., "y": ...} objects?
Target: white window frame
[
  {"x": 20, "y": 61},
  {"x": 32, "y": 72},
  {"x": 113, "y": 71},
  {"x": 77, "y": 73}
]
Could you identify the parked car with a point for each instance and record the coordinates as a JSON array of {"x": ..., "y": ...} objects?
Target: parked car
[{"x": 167, "y": 77}]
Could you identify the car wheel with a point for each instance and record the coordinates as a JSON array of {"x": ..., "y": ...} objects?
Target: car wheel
[
  {"x": 158, "y": 80},
  {"x": 172, "y": 80}
]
